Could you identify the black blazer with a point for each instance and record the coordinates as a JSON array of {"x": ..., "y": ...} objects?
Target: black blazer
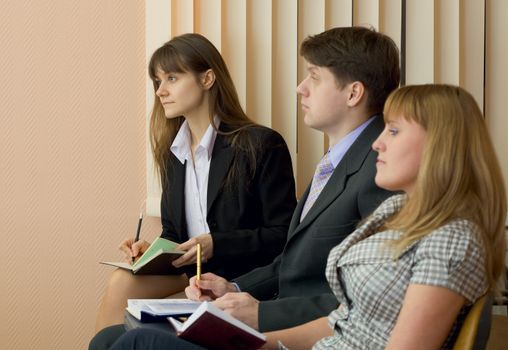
[
  {"x": 249, "y": 217},
  {"x": 293, "y": 289}
]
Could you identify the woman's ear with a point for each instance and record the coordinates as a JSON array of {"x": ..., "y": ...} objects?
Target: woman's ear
[{"x": 207, "y": 79}]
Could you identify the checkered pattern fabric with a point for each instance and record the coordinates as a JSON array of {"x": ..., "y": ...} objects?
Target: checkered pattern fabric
[
  {"x": 370, "y": 285},
  {"x": 322, "y": 174}
]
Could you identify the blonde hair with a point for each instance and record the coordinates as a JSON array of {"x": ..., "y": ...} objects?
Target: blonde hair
[{"x": 459, "y": 175}]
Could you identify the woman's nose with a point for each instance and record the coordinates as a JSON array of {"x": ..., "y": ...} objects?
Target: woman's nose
[{"x": 161, "y": 91}]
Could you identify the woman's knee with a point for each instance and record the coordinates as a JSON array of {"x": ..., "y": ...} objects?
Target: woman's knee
[{"x": 120, "y": 282}]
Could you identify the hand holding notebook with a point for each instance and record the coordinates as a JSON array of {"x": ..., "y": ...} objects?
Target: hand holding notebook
[
  {"x": 214, "y": 329},
  {"x": 156, "y": 260}
]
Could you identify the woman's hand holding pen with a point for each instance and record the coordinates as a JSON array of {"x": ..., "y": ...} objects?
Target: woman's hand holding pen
[
  {"x": 189, "y": 246},
  {"x": 133, "y": 249}
]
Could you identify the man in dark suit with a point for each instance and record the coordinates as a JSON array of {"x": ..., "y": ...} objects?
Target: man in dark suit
[{"x": 351, "y": 71}]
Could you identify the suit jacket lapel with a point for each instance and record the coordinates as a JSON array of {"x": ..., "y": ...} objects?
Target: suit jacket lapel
[
  {"x": 295, "y": 219},
  {"x": 177, "y": 180},
  {"x": 222, "y": 156},
  {"x": 350, "y": 163}
]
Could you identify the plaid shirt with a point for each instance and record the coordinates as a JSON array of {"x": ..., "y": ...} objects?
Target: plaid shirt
[{"x": 370, "y": 285}]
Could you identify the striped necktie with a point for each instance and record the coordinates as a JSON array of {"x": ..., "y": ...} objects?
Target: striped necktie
[{"x": 321, "y": 176}]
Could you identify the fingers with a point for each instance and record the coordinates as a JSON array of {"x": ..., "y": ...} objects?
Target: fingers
[
  {"x": 194, "y": 293},
  {"x": 214, "y": 286},
  {"x": 208, "y": 288},
  {"x": 187, "y": 245},
  {"x": 133, "y": 249},
  {"x": 186, "y": 259},
  {"x": 242, "y": 306},
  {"x": 139, "y": 248},
  {"x": 231, "y": 300},
  {"x": 125, "y": 247},
  {"x": 206, "y": 242}
]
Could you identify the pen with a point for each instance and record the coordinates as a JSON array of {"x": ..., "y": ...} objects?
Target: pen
[
  {"x": 140, "y": 221},
  {"x": 198, "y": 261}
]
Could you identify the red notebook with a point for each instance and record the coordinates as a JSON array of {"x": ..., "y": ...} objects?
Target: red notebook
[{"x": 212, "y": 328}]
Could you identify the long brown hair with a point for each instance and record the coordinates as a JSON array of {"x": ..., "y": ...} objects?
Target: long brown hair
[
  {"x": 195, "y": 54},
  {"x": 459, "y": 176}
]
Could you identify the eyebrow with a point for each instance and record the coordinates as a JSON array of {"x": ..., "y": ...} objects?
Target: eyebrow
[
  {"x": 392, "y": 121},
  {"x": 161, "y": 74},
  {"x": 312, "y": 69}
]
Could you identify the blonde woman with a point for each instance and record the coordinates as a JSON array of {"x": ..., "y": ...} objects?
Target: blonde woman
[{"x": 408, "y": 275}]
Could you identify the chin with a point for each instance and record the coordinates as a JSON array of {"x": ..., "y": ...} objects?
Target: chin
[
  {"x": 307, "y": 120},
  {"x": 172, "y": 116},
  {"x": 383, "y": 184}
]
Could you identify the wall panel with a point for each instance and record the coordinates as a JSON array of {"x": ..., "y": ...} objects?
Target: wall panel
[
  {"x": 234, "y": 44},
  {"x": 259, "y": 61},
  {"x": 447, "y": 42},
  {"x": 207, "y": 20},
  {"x": 284, "y": 69},
  {"x": 338, "y": 13},
  {"x": 366, "y": 13},
  {"x": 311, "y": 143},
  {"x": 390, "y": 19},
  {"x": 182, "y": 16},
  {"x": 472, "y": 48},
  {"x": 158, "y": 31},
  {"x": 260, "y": 39},
  {"x": 496, "y": 101},
  {"x": 420, "y": 24}
]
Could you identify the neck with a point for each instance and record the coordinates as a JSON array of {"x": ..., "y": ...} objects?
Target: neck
[
  {"x": 198, "y": 121},
  {"x": 197, "y": 129},
  {"x": 347, "y": 124}
]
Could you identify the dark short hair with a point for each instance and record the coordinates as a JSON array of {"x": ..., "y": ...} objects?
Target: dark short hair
[{"x": 357, "y": 54}]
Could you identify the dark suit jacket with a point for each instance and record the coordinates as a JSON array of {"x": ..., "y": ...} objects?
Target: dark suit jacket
[
  {"x": 248, "y": 217},
  {"x": 293, "y": 289}
]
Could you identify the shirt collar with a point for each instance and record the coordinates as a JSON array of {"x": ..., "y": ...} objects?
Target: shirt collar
[
  {"x": 338, "y": 150},
  {"x": 181, "y": 146}
]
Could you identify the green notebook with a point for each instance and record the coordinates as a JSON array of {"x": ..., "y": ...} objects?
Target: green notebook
[{"x": 156, "y": 260}]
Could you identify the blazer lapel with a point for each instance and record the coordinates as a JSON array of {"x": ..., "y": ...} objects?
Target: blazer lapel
[
  {"x": 222, "y": 156},
  {"x": 295, "y": 219},
  {"x": 350, "y": 164},
  {"x": 177, "y": 179}
]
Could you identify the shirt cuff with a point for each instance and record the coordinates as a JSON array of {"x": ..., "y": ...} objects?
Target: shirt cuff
[{"x": 236, "y": 286}]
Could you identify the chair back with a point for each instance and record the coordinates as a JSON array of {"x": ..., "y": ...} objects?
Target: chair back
[{"x": 475, "y": 330}]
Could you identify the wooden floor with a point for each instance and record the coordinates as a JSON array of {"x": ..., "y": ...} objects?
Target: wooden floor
[{"x": 498, "y": 339}]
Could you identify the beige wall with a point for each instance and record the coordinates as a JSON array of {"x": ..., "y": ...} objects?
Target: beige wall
[
  {"x": 72, "y": 134},
  {"x": 72, "y": 161}
]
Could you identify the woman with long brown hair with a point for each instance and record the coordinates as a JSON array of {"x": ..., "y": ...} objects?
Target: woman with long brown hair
[{"x": 227, "y": 182}]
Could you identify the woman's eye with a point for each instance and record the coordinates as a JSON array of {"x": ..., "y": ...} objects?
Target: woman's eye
[
  {"x": 393, "y": 131},
  {"x": 171, "y": 78},
  {"x": 157, "y": 83}
]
